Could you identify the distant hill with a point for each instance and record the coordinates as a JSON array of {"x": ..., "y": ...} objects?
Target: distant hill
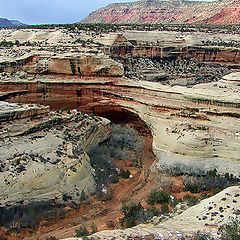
[
  {"x": 173, "y": 11},
  {"x": 16, "y": 23},
  {"x": 4, "y": 22}
]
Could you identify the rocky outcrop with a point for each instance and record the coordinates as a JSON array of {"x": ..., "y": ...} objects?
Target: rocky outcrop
[
  {"x": 11, "y": 111},
  {"x": 44, "y": 157},
  {"x": 85, "y": 66},
  {"x": 156, "y": 11},
  {"x": 82, "y": 65},
  {"x": 183, "y": 72},
  {"x": 192, "y": 127}
]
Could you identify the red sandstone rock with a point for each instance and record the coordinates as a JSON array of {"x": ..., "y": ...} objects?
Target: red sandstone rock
[{"x": 156, "y": 11}]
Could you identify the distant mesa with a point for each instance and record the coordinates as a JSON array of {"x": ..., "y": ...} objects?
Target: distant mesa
[
  {"x": 172, "y": 11},
  {"x": 16, "y": 23},
  {"x": 4, "y": 22}
]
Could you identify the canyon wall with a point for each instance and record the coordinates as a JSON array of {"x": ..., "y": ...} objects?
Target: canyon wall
[
  {"x": 91, "y": 65},
  {"x": 194, "y": 127}
]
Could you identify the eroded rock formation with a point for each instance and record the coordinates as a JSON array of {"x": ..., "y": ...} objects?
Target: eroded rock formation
[
  {"x": 82, "y": 65},
  {"x": 43, "y": 155},
  {"x": 173, "y": 11}
]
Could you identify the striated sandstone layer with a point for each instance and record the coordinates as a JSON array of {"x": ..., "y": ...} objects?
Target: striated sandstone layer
[
  {"x": 44, "y": 157},
  {"x": 83, "y": 65},
  {"x": 173, "y": 11},
  {"x": 195, "y": 127}
]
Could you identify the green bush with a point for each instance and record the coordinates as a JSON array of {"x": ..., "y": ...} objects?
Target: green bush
[
  {"x": 193, "y": 188},
  {"x": 130, "y": 222},
  {"x": 230, "y": 231},
  {"x": 124, "y": 143},
  {"x": 175, "y": 202},
  {"x": 164, "y": 208},
  {"x": 93, "y": 228},
  {"x": 198, "y": 236},
  {"x": 216, "y": 190},
  {"x": 124, "y": 174},
  {"x": 131, "y": 213},
  {"x": 114, "y": 178},
  {"x": 159, "y": 197},
  {"x": 81, "y": 231},
  {"x": 51, "y": 238},
  {"x": 147, "y": 214},
  {"x": 191, "y": 200}
]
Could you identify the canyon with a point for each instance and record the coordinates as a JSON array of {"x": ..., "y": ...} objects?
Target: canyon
[{"x": 61, "y": 89}]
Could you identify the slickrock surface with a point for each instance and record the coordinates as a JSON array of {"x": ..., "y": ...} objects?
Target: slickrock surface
[
  {"x": 44, "y": 157},
  {"x": 173, "y": 11}
]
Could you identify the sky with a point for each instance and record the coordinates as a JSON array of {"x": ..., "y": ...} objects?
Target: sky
[{"x": 50, "y": 11}]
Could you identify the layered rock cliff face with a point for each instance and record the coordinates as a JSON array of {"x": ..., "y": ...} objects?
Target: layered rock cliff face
[
  {"x": 156, "y": 11},
  {"x": 91, "y": 65},
  {"x": 43, "y": 155},
  {"x": 193, "y": 127}
]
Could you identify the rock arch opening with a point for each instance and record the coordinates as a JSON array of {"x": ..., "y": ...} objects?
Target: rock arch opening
[{"x": 122, "y": 116}]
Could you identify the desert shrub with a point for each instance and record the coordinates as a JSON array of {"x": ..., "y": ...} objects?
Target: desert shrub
[
  {"x": 216, "y": 190},
  {"x": 29, "y": 215},
  {"x": 179, "y": 169},
  {"x": 191, "y": 200},
  {"x": 198, "y": 236},
  {"x": 159, "y": 197},
  {"x": 193, "y": 188},
  {"x": 114, "y": 178},
  {"x": 211, "y": 180},
  {"x": 83, "y": 196},
  {"x": 175, "y": 202},
  {"x": 81, "y": 231},
  {"x": 124, "y": 143},
  {"x": 103, "y": 164},
  {"x": 124, "y": 174},
  {"x": 131, "y": 213},
  {"x": 130, "y": 222},
  {"x": 94, "y": 228},
  {"x": 66, "y": 197},
  {"x": 230, "y": 231},
  {"x": 164, "y": 208},
  {"x": 204, "y": 196},
  {"x": 110, "y": 223},
  {"x": 147, "y": 214},
  {"x": 51, "y": 238}
]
